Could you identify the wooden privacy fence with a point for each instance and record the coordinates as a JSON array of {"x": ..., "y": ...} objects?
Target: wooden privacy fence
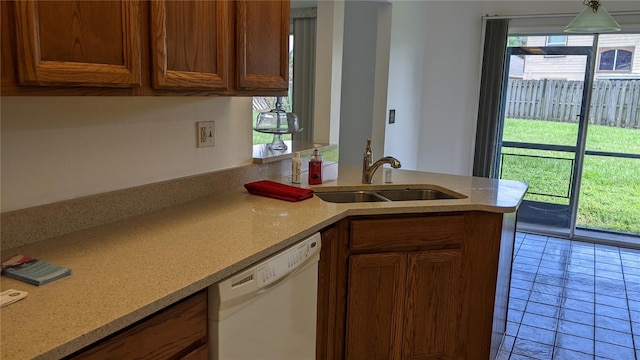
[{"x": 613, "y": 102}]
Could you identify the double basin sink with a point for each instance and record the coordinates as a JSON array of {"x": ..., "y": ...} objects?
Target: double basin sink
[{"x": 405, "y": 194}]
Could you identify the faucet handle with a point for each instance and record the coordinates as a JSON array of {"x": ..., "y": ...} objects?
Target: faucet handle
[{"x": 368, "y": 154}]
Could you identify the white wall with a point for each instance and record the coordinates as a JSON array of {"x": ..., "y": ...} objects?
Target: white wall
[
  {"x": 365, "y": 66},
  {"x": 434, "y": 76},
  {"x": 449, "y": 99},
  {"x": 406, "y": 69},
  {"x": 435, "y": 51},
  {"x": 330, "y": 25},
  {"x": 58, "y": 148}
]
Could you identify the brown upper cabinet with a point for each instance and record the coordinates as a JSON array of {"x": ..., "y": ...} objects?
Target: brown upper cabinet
[
  {"x": 78, "y": 43},
  {"x": 262, "y": 40},
  {"x": 133, "y": 47},
  {"x": 189, "y": 44}
]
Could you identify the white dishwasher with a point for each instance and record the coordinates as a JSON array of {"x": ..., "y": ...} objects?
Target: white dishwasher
[{"x": 268, "y": 311}]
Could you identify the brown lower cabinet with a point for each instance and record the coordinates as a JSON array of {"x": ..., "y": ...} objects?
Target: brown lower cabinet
[
  {"x": 415, "y": 286},
  {"x": 390, "y": 287},
  {"x": 177, "y": 332}
]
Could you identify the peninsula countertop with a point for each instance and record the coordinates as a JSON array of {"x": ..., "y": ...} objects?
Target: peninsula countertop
[{"x": 129, "y": 269}]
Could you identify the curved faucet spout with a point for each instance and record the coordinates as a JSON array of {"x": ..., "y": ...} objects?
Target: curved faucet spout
[
  {"x": 395, "y": 163},
  {"x": 369, "y": 169}
]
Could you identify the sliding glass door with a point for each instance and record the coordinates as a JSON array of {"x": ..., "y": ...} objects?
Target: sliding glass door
[
  {"x": 543, "y": 121},
  {"x": 610, "y": 183},
  {"x": 577, "y": 145}
]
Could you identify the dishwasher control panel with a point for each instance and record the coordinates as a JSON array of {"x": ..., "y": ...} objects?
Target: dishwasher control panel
[{"x": 287, "y": 261}]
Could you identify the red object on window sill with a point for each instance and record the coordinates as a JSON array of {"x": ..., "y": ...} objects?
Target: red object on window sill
[{"x": 276, "y": 190}]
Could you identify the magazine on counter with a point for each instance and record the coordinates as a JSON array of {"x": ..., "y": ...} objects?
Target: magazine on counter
[{"x": 32, "y": 271}]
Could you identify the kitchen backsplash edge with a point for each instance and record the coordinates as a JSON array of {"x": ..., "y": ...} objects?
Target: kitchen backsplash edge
[{"x": 26, "y": 226}]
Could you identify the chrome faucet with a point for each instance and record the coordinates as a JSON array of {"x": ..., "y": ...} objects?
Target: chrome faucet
[{"x": 369, "y": 167}]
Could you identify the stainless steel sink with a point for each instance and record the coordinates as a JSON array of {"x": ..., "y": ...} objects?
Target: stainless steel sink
[
  {"x": 415, "y": 194},
  {"x": 350, "y": 196},
  {"x": 408, "y": 194}
]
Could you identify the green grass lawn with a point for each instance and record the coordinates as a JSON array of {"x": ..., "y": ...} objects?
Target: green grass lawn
[{"x": 610, "y": 190}]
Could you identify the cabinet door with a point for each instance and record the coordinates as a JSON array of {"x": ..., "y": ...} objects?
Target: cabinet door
[
  {"x": 374, "y": 306},
  {"x": 432, "y": 305},
  {"x": 78, "y": 43},
  {"x": 190, "y": 44},
  {"x": 262, "y": 45}
]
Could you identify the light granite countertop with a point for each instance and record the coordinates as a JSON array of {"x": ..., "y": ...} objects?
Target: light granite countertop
[{"x": 129, "y": 269}]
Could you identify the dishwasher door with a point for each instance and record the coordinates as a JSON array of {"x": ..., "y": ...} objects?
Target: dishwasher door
[{"x": 268, "y": 312}]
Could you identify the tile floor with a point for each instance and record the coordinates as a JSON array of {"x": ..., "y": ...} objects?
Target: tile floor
[{"x": 572, "y": 300}]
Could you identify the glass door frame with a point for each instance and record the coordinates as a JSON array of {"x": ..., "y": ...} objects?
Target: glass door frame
[{"x": 526, "y": 210}]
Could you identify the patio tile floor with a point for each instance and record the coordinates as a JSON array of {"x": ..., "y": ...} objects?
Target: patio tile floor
[{"x": 572, "y": 300}]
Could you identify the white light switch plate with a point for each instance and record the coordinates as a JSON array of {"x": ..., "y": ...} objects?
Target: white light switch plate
[{"x": 206, "y": 133}]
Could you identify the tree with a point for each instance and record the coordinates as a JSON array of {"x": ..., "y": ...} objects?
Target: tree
[{"x": 513, "y": 41}]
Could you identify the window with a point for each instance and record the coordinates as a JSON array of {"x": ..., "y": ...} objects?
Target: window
[
  {"x": 557, "y": 40},
  {"x": 300, "y": 99},
  {"x": 615, "y": 60},
  {"x": 266, "y": 103}
]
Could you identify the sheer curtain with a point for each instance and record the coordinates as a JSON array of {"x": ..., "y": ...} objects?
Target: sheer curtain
[
  {"x": 304, "y": 69},
  {"x": 488, "y": 129}
]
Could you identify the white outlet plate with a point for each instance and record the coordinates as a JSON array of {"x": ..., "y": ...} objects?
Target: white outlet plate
[{"x": 205, "y": 133}]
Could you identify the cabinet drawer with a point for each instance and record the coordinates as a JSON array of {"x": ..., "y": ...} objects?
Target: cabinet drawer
[
  {"x": 167, "y": 334},
  {"x": 402, "y": 233},
  {"x": 201, "y": 353}
]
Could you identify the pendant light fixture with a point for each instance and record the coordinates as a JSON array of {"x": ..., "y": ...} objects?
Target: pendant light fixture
[{"x": 594, "y": 19}]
